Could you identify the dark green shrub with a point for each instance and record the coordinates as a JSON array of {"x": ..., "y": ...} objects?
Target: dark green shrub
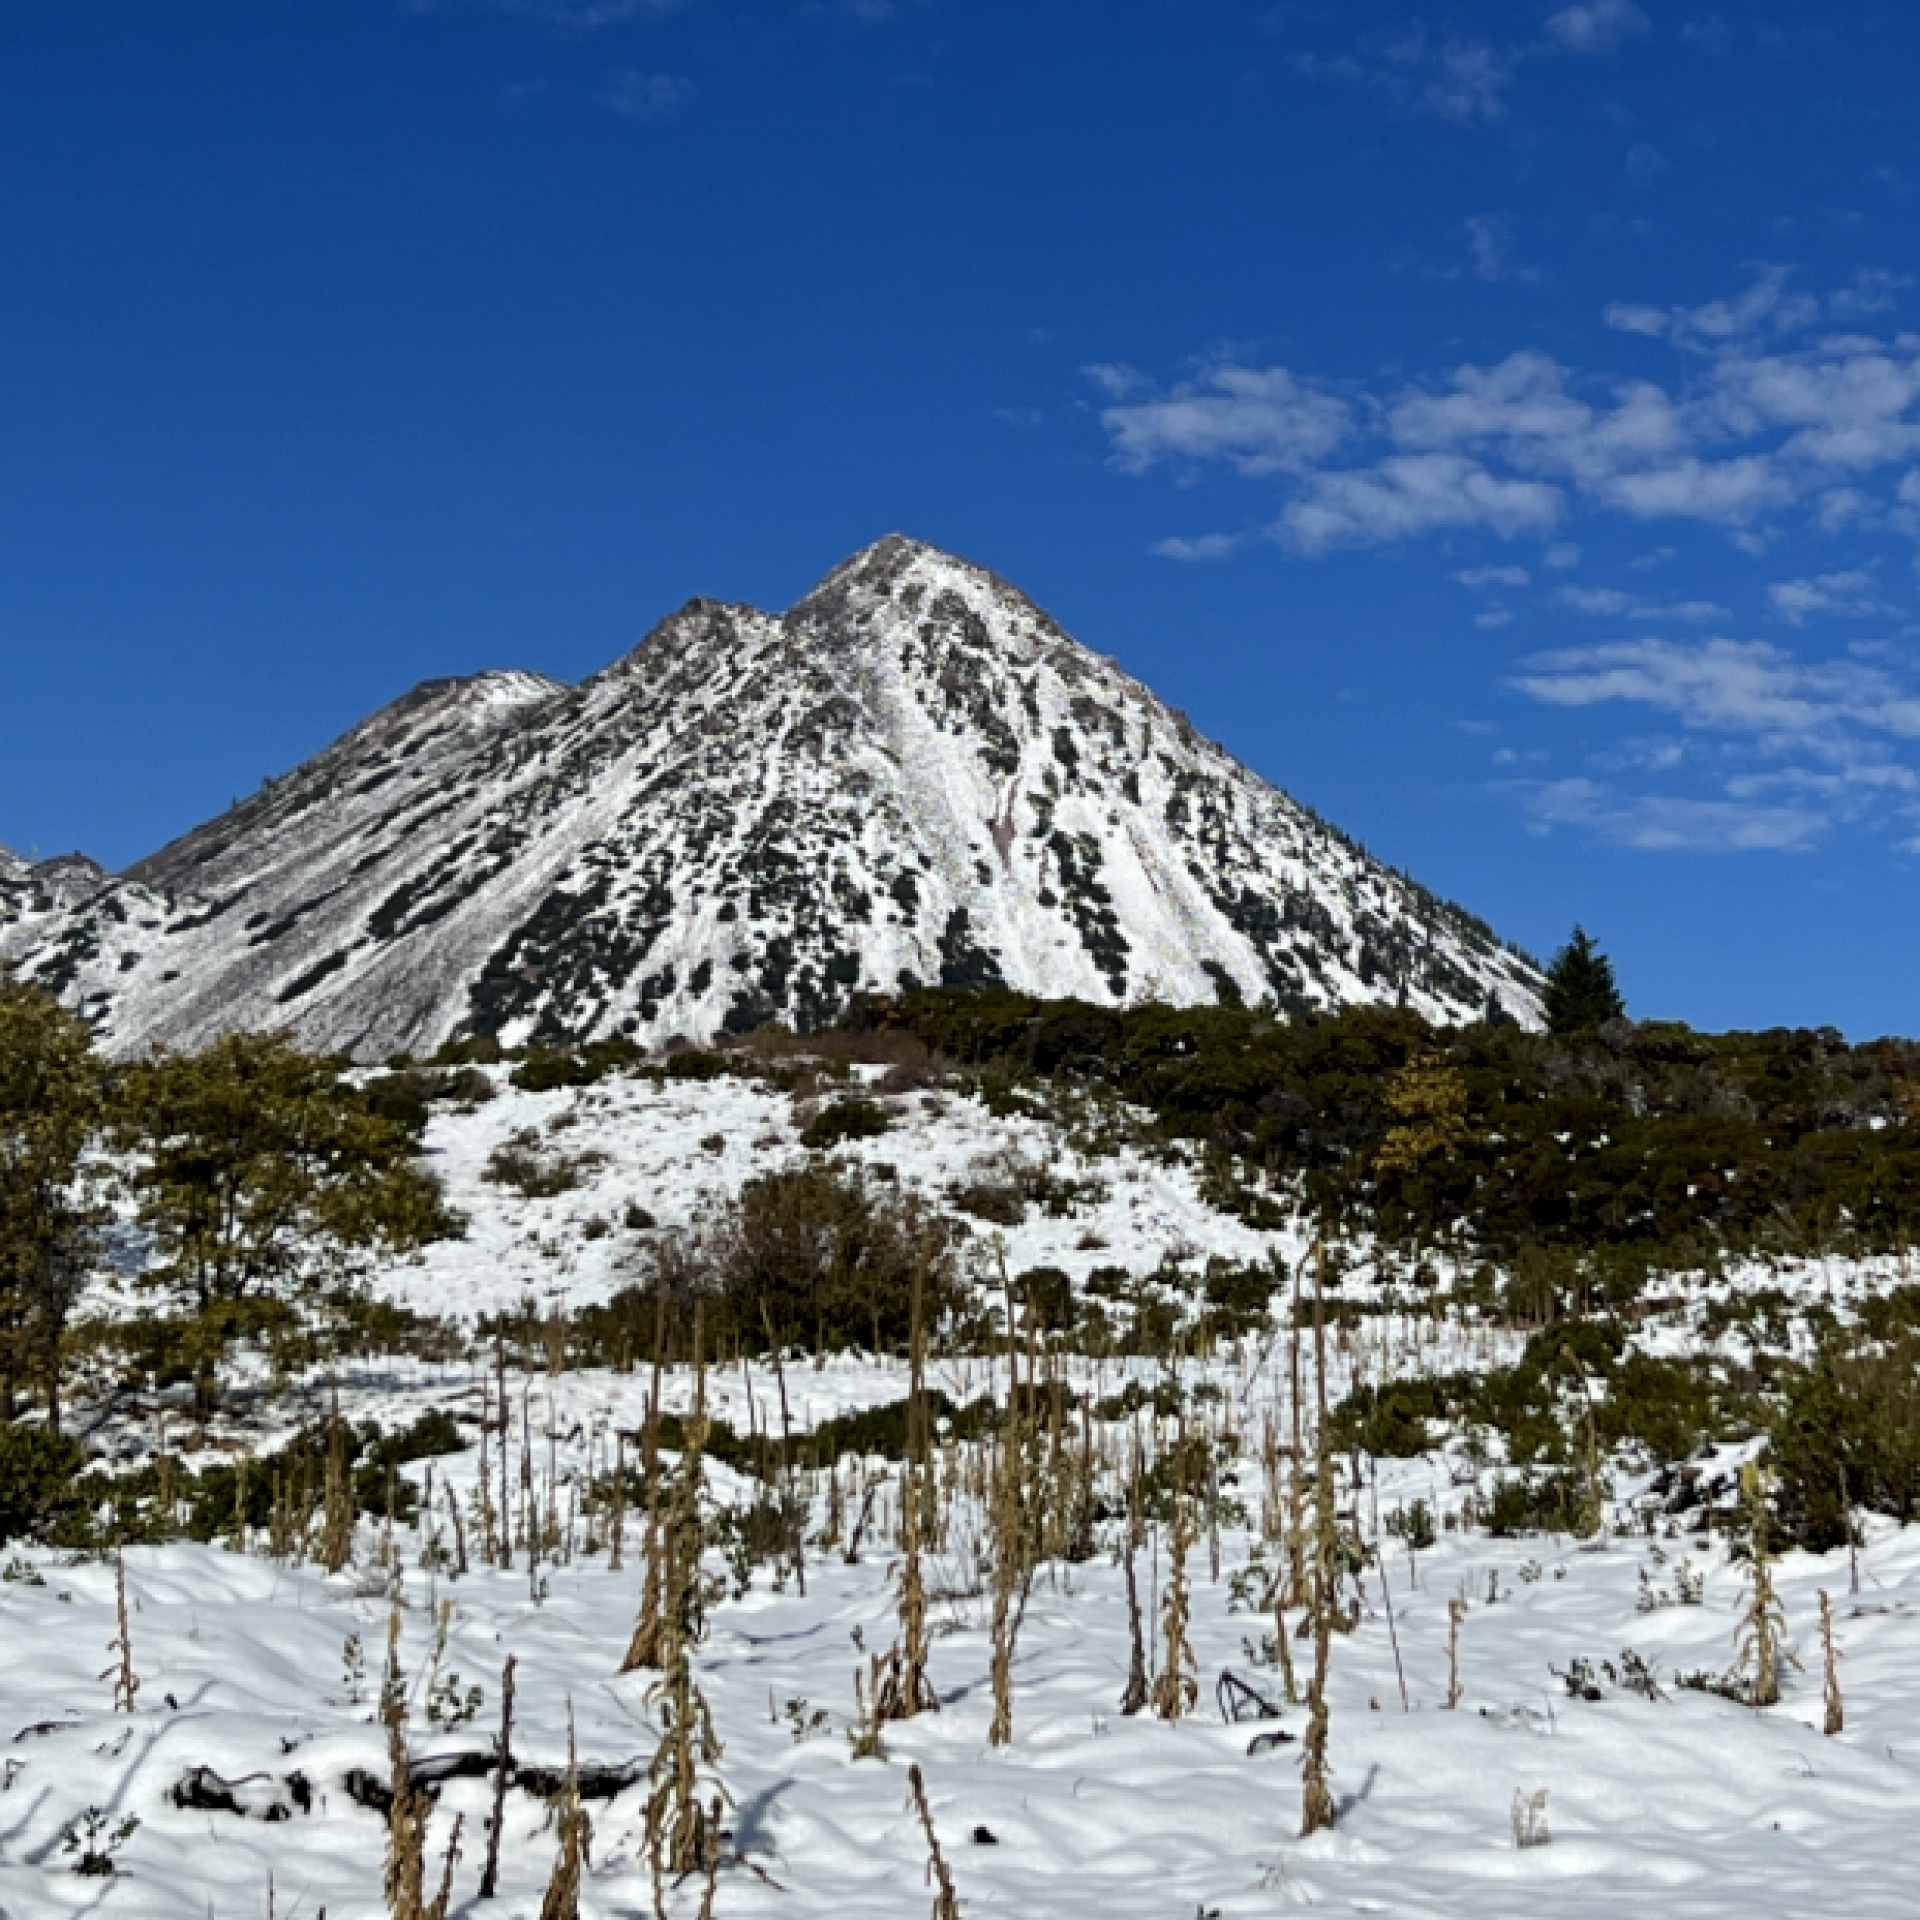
[
  {"x": 1666, "y": 1406},
  {"x": 436, "y": 1432},
  {"x": 850, "y": 1119},
  {"x": 871, "y": 1431},
  {"x": 401, "y": 1097},
  {"x": 1537, "y": 1503},
  {"x": 544, "y": 1070},
  {"x": 694, "y": 1064},
  {"x": 1596, "y": 1344},
  {"x": 1048, "y": 1295},
  {"x": 1155, "y": 1329},
  {"x": 1848, "y": 1437},
  {"x": 994, "y": 1201},
  {"x": 39, "y": 1475},
  {"x": 1239, "y": 1298},
  {"x": 1399, "y": 1419}
]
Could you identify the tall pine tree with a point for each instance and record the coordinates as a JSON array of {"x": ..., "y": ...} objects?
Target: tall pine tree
[{"x": 1582, "y": 993}]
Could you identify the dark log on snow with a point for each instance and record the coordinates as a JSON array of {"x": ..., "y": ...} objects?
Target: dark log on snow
[{"x": 253, "y": 1796}]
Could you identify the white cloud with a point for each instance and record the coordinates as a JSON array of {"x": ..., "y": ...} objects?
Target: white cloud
[
  {"x": 1672, "y": 823},
  {"x": 1490, "y": 248},
  {"x": 1522, "y": 398},
  {"x": 1765, "y": 306},
  {"x": 1600, "y": 600},
  {"x": 1460, "y": 80},
  {"x": 1259, "y": 420},
  {"x": 647, "y": 97},
  {"x": 1692, "y": 613},
  {"x": 1408, "y": 494},
  {"x": 1774, "y": 751},
  {"x": 1840, "y": 507},
  {"x": 1493, "y": 577},
  {"x": 1728, "y": 491},
  {"x": 1842, "y": 713},
  {"x": 1847, "y": 594},
  {"x": 1871, "y": 292},
  {"x": 1611, "y": 602},
  {"x": 1116, "y": 379},
  {"x": 1761, "y": 423},
  {"x": 1595, "y": 26},
  {"x": 1205, "y": 546},
  {"x": 1847, "y": 403},
  {"x": 1465, "y": 78},
  {"x": 1625, "y": 317},
  {"x": 1469, "y": 77}
]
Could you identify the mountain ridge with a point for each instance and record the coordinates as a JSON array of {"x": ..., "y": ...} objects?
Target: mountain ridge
[{"x": 912, "y": 775}]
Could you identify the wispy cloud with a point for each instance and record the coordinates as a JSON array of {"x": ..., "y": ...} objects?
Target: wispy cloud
[
  {"x": 1665, "y": 823},
  {"x": 1767, "y": 306},
  {"x": 1490, "y": 249},
  {"x": 1794, "y": 748},
  {"x": 1735, "y": 686},
  {"x": 650, "y": 98},
  {"x": 1465, "y": 77},
  {"x": 1764, "y": 418},
  {"x": 1598, "y": 600},
  {"x": 1208, "y": 546},
  {"x": 1850, "y": 594},
  {"x": 1595, "y": 27},
  {"x": 1463, "y": 80}
]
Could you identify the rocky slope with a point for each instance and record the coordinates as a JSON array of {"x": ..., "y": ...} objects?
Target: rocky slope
[{"x": 913, "y": 775}]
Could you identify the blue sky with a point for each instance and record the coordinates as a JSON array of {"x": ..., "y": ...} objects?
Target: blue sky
[{"x": 1500, "y": 426}]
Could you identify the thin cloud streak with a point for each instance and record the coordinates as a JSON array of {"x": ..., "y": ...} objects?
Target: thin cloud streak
[{"x": 1796, "y": 748}]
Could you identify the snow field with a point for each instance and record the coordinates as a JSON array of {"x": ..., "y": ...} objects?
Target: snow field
[
  {"x": 1704, "y": 1805},
  {"x": 1688, "y": 1803}
]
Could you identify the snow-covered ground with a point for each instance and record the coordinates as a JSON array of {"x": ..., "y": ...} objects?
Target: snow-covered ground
[
  {"x": 1690, "y": 1801},
  {"x": 1688, "y": 1804}
]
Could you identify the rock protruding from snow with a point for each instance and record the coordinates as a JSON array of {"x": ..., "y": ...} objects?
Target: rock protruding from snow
[{"x": 913, "y": 776}]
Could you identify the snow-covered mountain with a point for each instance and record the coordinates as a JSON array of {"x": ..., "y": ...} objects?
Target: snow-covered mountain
[{"x": 911, "y": 776}]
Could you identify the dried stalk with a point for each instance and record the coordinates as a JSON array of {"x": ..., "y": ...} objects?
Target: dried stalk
[
  {"x": 126, "y": 1683},
  {"x": 946, "y": 1903},
  {"x": 1317, "y": 1808},
  {"x": 1836, "y": 1719},
  {"x": 502, "y": 1773}
]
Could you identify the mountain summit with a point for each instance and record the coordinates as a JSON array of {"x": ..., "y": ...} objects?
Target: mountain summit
[{"x": 912, "y": 776}]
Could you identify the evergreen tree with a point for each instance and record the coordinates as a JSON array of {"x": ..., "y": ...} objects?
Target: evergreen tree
[
  {"x": 1581, "y": 991},
  {"x": 52, "y": 1091},
  {"x": 269, "y": 1184}
]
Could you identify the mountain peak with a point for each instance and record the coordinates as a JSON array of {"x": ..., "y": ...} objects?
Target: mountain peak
[{"x": 912, "y": 776}]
